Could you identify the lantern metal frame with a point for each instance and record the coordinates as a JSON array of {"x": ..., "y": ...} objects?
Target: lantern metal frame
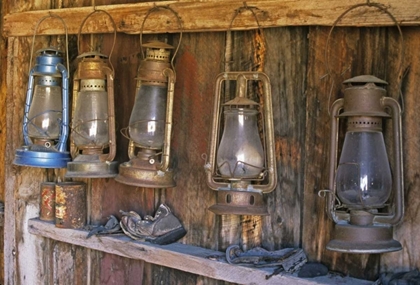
[
  {"x": 242, "y": 196},
  {"x": 363, "y": 232},
  {"x": 93, "y": 162},
  {"x": 47, "y": 155},
  {"x": 147, "y": 168}
]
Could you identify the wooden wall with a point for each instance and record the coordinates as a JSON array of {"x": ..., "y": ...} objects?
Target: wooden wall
[
  {"x": 3, "y": 72},
  {"x": 302, "y": 92}
]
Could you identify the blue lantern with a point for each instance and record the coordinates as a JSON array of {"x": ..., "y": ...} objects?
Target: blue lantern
[{"x": 45, "y": 121}]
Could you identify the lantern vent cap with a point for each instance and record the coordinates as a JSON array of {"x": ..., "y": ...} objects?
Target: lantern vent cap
[
  {"x": 365, "y": 79},
  {"x": 158, "y": 51},
  {"x": 241, "y": 101},
  {"x": 50, "y": 51},
  {"x": 157, "y": 45},
  {"x": 92, "y": 54}
]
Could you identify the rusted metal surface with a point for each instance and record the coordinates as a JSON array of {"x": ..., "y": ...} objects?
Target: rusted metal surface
[
  {"x": 363, "y": 239},
  {"x": 239, "y": 203},
  {"x": 70, "y": 207},
  {"x": 47, "y": 206}
]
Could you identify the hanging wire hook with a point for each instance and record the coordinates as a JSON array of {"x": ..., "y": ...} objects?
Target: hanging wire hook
[
  {"x": 390, "y": 15},
  {"x": 95, "y": 10},
  {"x": 157, "y": 8},
  {"x": 236, "y": 13},
  {"x": 50, "y": 15},
  {"x": 325, "y": 192}
]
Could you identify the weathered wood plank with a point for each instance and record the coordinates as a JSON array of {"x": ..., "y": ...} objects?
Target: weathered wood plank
[
  {"x": 14, "y": 82},
  {"x": 119, "y": 270},
  {"x": 214, "y": 16},
  {"x": 409, "y": 230},
  {"x": 286, "y": 66},
  {"x": 3, "y": 137},
  {"x": 179, "y": 256},
  {"x": 192, "y": 112}
]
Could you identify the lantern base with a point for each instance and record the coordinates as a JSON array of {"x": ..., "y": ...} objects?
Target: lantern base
[
  {"x": 135, "y": 175},
  {"x": 239, "y": 203},
  {"x": 41, "y": 158},
  {"x": 363, "y": 239},
  {"x": 90, "y": 166}
]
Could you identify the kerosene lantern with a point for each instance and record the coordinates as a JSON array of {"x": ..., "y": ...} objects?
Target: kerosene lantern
[
  {"x": 241, "y": 165},
  {"x": 150, "y": 124},
  {"x": 92, "y": 139},
  {"x": 366, "y": 197},
  {"x": 45, "y": 121}
]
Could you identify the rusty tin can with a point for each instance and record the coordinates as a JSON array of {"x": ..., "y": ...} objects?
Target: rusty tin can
[
  {"x": 47, "y": 205},
  {"x": 70, "y": 205}
]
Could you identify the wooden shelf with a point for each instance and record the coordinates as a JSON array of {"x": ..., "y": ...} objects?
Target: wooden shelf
[
  {"x": 179, "y": 256},
  {"x": 205, "y": 16}
]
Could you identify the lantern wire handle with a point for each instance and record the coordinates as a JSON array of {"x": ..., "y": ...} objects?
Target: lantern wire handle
[
  {"x": 324, "y": 193},
  {"x": 35, "y": 30},
  {"x": 237, "y": 12},
  {"x": 390, "y": 15},
  {"x": 113, "y": 25},
  {"x": 157, "y": 8}
]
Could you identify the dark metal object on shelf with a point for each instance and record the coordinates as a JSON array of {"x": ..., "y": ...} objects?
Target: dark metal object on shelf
[
  {"x": 112, "y": 226},
  {"x": 289, "y": 259}
]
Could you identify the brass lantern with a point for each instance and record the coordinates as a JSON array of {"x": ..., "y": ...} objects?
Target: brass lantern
[
  {"x": 150, "y": 125},
  {"x": 92, "y": 138},
  {"x": 367, "y": 191},
  {"x": 241, "y": 164},
  {"x": 93, "y": 120}
]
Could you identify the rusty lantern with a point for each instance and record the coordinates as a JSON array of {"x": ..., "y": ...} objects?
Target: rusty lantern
[
  {"x": 241, "y": 164},
  {"x": 92, "y": 139},
  {"x": 150, "y": 125},
  {"x": 366, "y": 196}
]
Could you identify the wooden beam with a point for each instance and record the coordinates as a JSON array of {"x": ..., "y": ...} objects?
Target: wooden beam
[
  {"x": 213, "y": 15},
  {"x": 183, "y": 257}
]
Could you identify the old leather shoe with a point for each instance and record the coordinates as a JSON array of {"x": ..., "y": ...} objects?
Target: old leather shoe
[{"x": 163, "y": 228}]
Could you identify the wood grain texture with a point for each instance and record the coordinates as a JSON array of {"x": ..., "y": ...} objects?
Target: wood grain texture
[
  {"x": 215, "y": 16},
  {"x": 194, "y": 91},
  {"x": 3, "y": 128},
  {"x": 286, "y": 66},
  {"x": 408, "y": 231}
]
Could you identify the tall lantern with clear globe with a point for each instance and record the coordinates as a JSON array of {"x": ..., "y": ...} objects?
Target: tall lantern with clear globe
[
  {"x": 92, "y": 139},
  {"x": 241, "y": 164},
  {"x": 150, "y": 126},
  {"x": 93, "y": 120},
  {"x": 368, "y": 188},
  {"x": 151, "y": 122},
  {"x": 45, "y": 120}
]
